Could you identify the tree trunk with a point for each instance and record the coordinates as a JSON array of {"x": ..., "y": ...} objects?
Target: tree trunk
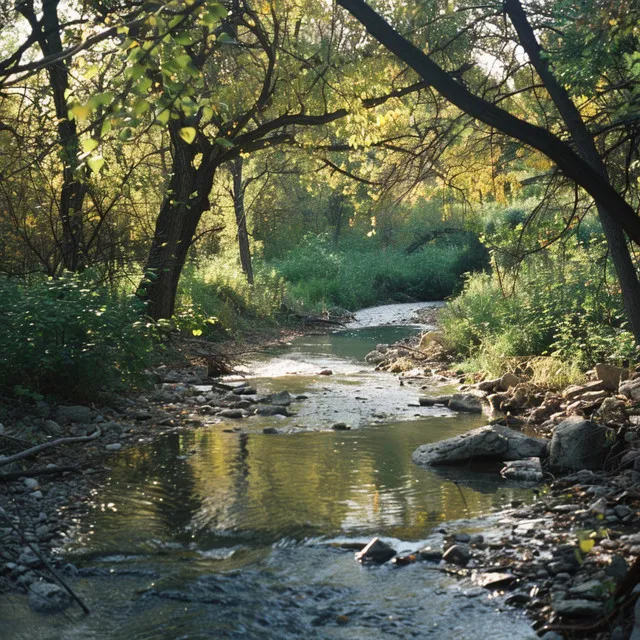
[
  {"x": 616, "y": 241},
  {"x": 186, "y": 200},
  {"x": 239, "y": 188},
  {"x": 73, "y": 190}
]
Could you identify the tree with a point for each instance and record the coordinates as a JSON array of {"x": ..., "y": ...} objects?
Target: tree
[{"x": 572, "y": 163}]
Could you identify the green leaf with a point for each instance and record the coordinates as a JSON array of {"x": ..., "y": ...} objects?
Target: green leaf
[
  {"x": 225, "y": 142},
  {"x": 163, "y": 116},
  {"x": 89, "y": 145},
  {"x": 183, "y": 61},
  {"x": 95, "y": 163},
  {"x": 91, "y": 72},
  {"x": 188, "y": 134}
]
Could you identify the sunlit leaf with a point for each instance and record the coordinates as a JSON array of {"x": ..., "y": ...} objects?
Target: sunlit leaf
[
  {"x": 586, "y": 545},
  {"x": 95, "y": 163},
  {"x": 188, "y": 134},
  {"x": 225, "y": 142},
  {"x": 89, "y": 145}
]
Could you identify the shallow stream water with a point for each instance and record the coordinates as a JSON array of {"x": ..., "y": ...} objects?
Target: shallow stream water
[{"x": 218, "y": 533}]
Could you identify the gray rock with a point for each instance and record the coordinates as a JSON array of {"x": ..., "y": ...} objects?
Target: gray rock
[
  {"x": 459, "y": 554},
  {"x": 52, "y": 427},
  {"x": 28, "y": 558},
  {"x": 340, "y": 426},
  {"x": 426, "y": 401},
  {"x": 611, "y": 376},
  {"x": 509, "y": 380},
  {"x": 493, "y": 442},
  {"x": 375, "y": 357},
  {"x": 376, "y": 552},
  {"x": 617, "y": 568},
  {"x": 612, "y": 410},
  {"x": 465, "y": 402},
  {"x": 245, "y": 391},
  {"x": 527, "y": 470},
  {"x": 577, "y": 608},
  {"x": 575, "y": 391},
  {"x": 631, "y": 389},
  {"x": 74, "y": 413},
  {"x": 45, "y": 597},
  {"x": 115, "y": 446},
  {"x": 430, "y": 555},
  {"x": 282, "y": 399},
  {"x": 589, "y": 590},
  {"x": 231, "y": 413},
  {"x": 579, "y": 444},
  {"x": 31, "y": 483},
  {"x": 270, "y": 431},
  {"x": 271, "y": 410}
]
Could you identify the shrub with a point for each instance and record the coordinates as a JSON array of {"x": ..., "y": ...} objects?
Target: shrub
[{"x": 69, "y": 336}]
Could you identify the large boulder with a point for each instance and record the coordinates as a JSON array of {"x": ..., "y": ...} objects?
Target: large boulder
[
  {"x": 579, "y": 444},
  {"x": 493, "y": 442},
  {"x": 45, "y": 597},
  {"x": 466, "y": 402},
  {"x": 631, "y": 389},
  {"x": 611, "y": 376}
]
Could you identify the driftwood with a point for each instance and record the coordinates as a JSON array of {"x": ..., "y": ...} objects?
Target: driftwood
[
  {"x": 40, "y": 557},
  {"x": 49, "y": 445},
  {"x": 34, "y": 473}
]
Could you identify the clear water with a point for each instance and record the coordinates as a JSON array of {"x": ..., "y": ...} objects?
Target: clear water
[{"x": 228, "y": 534}]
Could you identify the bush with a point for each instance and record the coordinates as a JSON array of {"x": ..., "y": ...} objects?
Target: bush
[{"x": 69, "y": 337}]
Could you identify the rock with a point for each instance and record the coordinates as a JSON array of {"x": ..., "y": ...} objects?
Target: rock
[
  {"x": 612, "y": 410},
  {"x": 509, "y": 380},
  {"x": 340, "y": 426},
  {"x": 115, "y": 446},
  {"x": 283, "y": 398},
  {"x": 594, "y": 396},
  {"x": 271, "y": 431},
  {"x": 376, "y": 552},
  {"x": 270, "y": 410},
  {"x": 52, "y": 427},
  {"x": 232, "y": 413},
  {"x": 489, "y": 386},
  {"x": 430, "y": 555},
  {"x": 45, "y": 597},
  {"x": 617, "y": 568},
  {"x": 493, "y": 442},
  {"x": 31, "y": 483},
  {"x": 245, "y": 391},
  {"x": 527, "y": 470},
  {"x": 425, "y": 401},
  {"x": 611, "y": 376},
  {"x": 552, "y": 635},
  {"x": 589, "y": 590},
  {"x": 28, "y": 558},
  {"x": 465, "y": 402},
  {"x": 459, "y": 554},
  {"x": 375, "y": 357},
  {"x": 36, "y": 494},
  {"x": 325, "y": 372},
  {"x": 577, "y": 608},
  {"x": 493, "y": 579},
  {"x": 496, "y": 401},
  {"x": 73, "y": 413},
  {"x": 579, "y": 444},
  {"x": 631, "y": 389},
  {"x": 575, "y": 391}
]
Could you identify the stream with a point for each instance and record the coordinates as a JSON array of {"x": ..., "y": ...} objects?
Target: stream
[{"x": 227, "y": 532}]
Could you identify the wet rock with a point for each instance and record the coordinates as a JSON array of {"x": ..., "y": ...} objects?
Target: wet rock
[
  {"x": 493, "y": 579},
  {"x": 232, "y": 413},
  {"x": 528, "y": 470},
  {"x": 430, "y": 555},
  {"x": 270, "y": 431},
  {"x": 283, "y": 398},
  {"x": 459, "y": 554},
  {"x": 115, "y": 446},
  {"x": 377, "y": 552},
  {"x": 465, "y": 402},
  {"x": 45, "y": 597},
  {"x": 426, "y": 401},
  {"x": 340, "y": 426},
  {"x": 270, "y": 410},
  {"x": 631, "y": 389},
  {"x": 31, "y": 483},
  {"x": 375, "y": 357},
  {"x": 73, "y": 413},
  {"x": 617, "y": 568},
  {"x": 245, "y": 391},
  {"x": 28, "y": 558},
  {"x": 579, "y": 444},
  {"x": 589, "y": 590},
  {"x": 577, "y": 608},
  {"x": 611, "y": 376},
  {"x": 325, "y": 372},
  {"x": 493, "y": 442}
]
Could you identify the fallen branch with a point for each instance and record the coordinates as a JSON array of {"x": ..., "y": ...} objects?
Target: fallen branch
[
  {"x": 49, "y": 445},
  {"x": 34, "y": 473},
  {"x": 51, "y": 570}
]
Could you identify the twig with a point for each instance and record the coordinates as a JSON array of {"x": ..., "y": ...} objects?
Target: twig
[
  {"x": 53, "y": 572},
  {"x": 32, "y": 473},
  {"x": 48, "y": 445}
]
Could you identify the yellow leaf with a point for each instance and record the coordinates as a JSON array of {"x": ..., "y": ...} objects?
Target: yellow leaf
[
  {"x": 95, "y": 163},
  {"x": 587, "y": 545},
  {"x": 80, "y": 111},
  {"x": 89, "y": 145},
  {"x": 188, "y": 134},
  {"x": 91, "y": 72}
]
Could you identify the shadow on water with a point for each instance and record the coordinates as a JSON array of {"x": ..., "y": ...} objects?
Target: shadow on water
[{"x": 216, "y": 534}]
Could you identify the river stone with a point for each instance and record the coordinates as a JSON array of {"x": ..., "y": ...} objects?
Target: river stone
[
  {"x": 283, "y": 398},
  {"x": 612, "y": 410},
  {"x": 576, "y": 390},
  {"x": 577, "y": 608},
  {"x": 426, "y": 401},
  {"x": 631, "y": 389},
  {"x": 340, "y": 426},
  {"x": 611, "y": 376},
  {"x": 493, "y": 442},
  {"x": 527, "y": 470},
  {"x": 231, "y": 413},
  {"x": 509, "y": 380},
  {"x": 73, "y": 413},
  {"x": 271, "y": 410},
  {"x": 244, "y": 391},
  {"x": 466, "y": 402},
  {"x": 52, "y": 427},
  {"x": 375, "y": 357},
  {"x": 459, "y": 554},
  {"x": 45, "y": 597},
  {"x": 376, "y": 551},
  {"x": 579, "y": 444}
]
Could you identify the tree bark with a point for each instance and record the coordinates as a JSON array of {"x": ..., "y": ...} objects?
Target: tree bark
[
  {"x": 239, "y": 188},
  {"x": 569, "y": 162},
  {"x": 616, "y": 241},
  {"x": 186, "y": 200}
]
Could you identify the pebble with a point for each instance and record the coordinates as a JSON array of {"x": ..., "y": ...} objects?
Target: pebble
[
  {"x": 31, "y": 483},
  {"x": 115, "y": 446},
  {"x": 459, "y": 554}
]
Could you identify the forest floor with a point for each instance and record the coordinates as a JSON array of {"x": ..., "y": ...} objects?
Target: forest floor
[{"x": 565, "y": 557}]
